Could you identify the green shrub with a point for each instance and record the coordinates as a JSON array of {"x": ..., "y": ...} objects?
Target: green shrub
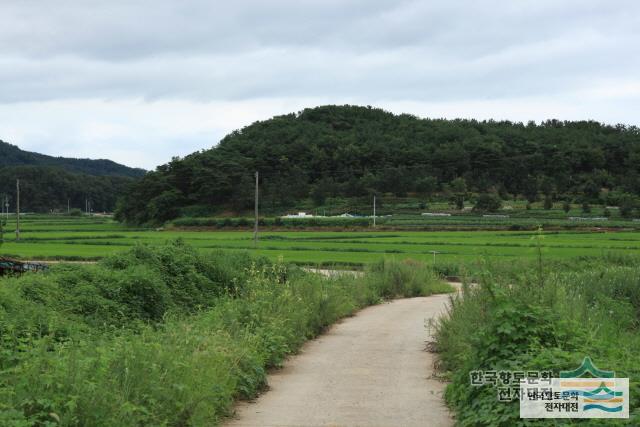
[
  {"x": 140, "y": 285},
  {"x": 543, "y": 318},
  {"x": 628, "y": 204},
  {"x": 488, "y": 202}
]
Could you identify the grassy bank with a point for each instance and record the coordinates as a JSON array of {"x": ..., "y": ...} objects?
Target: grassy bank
[
  {"x": 541, "y": 317},
  {"x": 167, "y": 335}
]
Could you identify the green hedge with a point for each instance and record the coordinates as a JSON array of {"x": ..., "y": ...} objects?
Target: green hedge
[{"x": 272, "y": 222}]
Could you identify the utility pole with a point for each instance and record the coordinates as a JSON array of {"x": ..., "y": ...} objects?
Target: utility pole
[
  {"x": 255, "y": 228},
  {"x": 2, "y": 219},
  {"x": 17, "y": 209},
  {"x": 374, "y": 211},
  {"x": 434, "y": 256}
]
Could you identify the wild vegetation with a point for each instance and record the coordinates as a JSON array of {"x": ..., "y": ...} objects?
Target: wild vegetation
[
  {"x": 352, "y": 152},
  {"x": 140, "y": 337},
  {"x": 541, "y": 316},
  {"x": 167, "y": 335}
]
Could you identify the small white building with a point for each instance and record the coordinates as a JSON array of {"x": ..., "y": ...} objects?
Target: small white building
[
  {"x": 298, "y": 215},
  {"x": 595, "y": 218}
]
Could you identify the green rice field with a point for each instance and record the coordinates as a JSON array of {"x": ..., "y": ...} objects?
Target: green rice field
[{"x": 89, "y": 238}]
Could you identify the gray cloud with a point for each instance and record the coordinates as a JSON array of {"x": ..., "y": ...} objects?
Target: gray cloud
[{"x": 365, "y": 51}]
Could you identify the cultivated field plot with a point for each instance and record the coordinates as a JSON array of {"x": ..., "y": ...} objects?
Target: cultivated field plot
[{"x": 65, "y": 238}]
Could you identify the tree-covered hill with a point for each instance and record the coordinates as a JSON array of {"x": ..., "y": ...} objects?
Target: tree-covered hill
[
  {"x": 45, "y": 189},
  {"x": 10, "y": 155},
  {"x": 49, "y": 183},
  {"x": 350, "y": 151}
]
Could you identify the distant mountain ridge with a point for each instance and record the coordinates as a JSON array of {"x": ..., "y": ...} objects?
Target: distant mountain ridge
[{"x": 11, "y": 155}]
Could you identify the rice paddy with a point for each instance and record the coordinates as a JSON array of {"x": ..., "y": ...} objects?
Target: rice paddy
[{"x": 90, "y": 238}]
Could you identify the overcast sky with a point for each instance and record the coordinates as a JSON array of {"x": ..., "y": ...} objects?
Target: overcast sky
[{"x": 142, "y": 81}]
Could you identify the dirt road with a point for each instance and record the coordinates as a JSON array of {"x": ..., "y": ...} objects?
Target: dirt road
[{"x": 368, "y": 370}]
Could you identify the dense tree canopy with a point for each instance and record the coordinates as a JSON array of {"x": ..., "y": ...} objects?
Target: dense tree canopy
[
  {"x": 47, "y": 182},
  {"x": 45, "y": 189},
  {"x": 351, "y": 151}
]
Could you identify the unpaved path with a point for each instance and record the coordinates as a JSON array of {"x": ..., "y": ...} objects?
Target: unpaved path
[{"x": 368, "y": 370}]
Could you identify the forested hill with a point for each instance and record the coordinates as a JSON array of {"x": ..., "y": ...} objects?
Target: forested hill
[
  {"x": 351, "y": 151},
  {"x": 54, "y": 183},
  {"x": 10, "y": 155},
  {"x": 46, "y": 189}
]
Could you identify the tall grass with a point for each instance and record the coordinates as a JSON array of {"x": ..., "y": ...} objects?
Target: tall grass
[
  {"x": 541, "y": 317},
  {"x": 166, "y": 336},
  {"x": 409, "y": 278}
]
